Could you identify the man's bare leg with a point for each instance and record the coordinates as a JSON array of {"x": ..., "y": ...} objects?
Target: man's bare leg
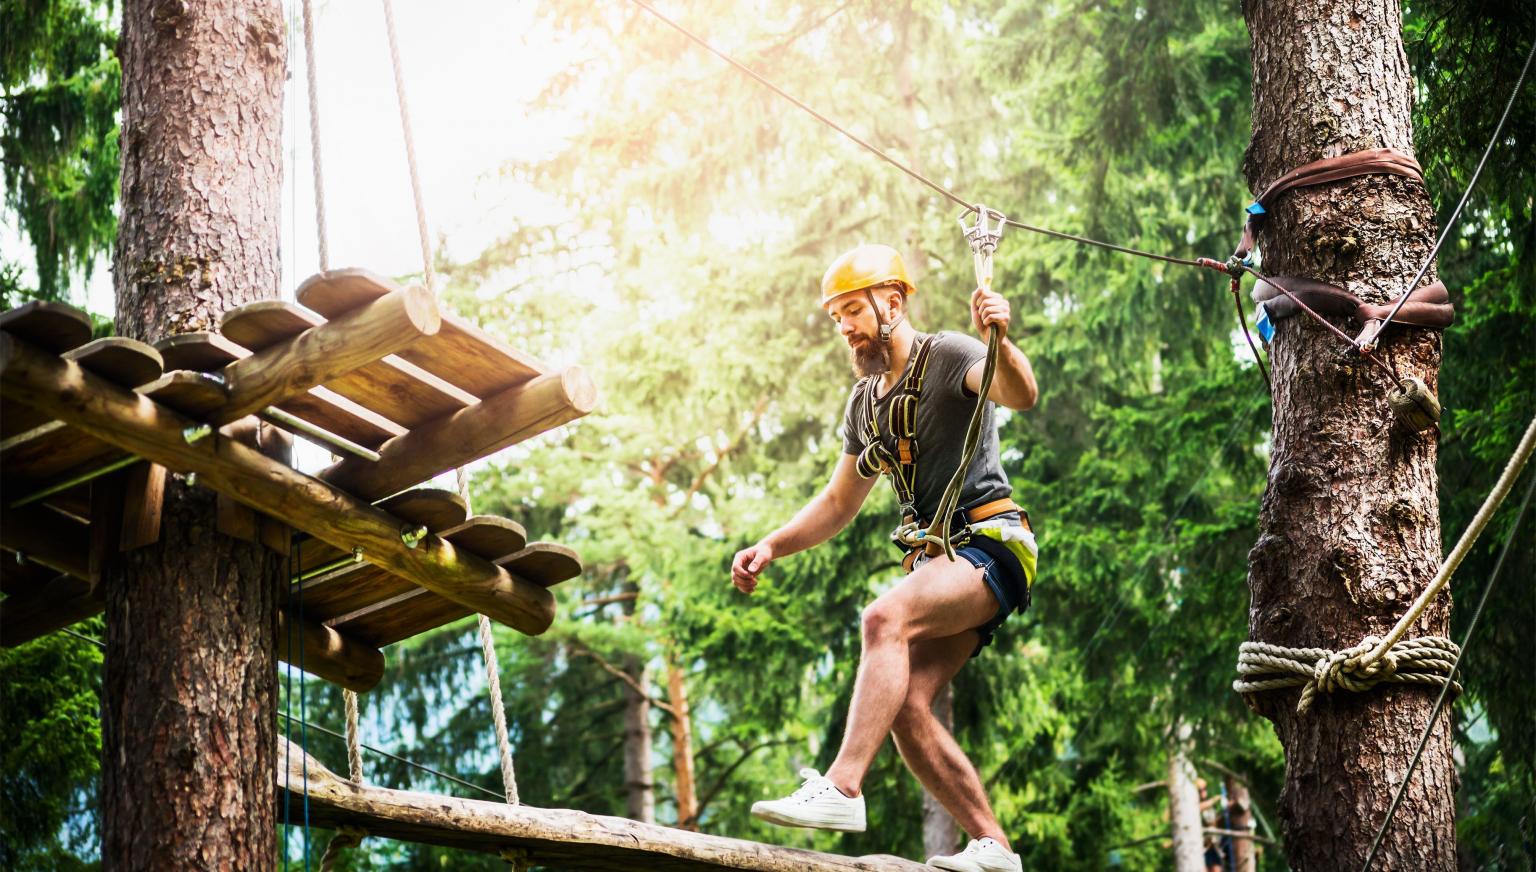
[
  {"x": 928, "y": 748},
  {"x": 942, "y": 598}
]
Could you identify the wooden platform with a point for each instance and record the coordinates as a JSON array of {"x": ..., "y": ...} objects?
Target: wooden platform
[
  {"x": 557, "y": 838},
  {"x": 364, "y": 359}
]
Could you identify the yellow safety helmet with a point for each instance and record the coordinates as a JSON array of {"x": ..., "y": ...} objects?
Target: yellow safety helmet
[{"x": 863, "y": 267}]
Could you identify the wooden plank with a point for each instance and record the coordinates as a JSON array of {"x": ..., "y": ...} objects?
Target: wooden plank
[
  {"x": 554, "y": 838},
  {"x": 54, "y": 451},
  {"x": 20, "y": 576},
  {"x": 194, "y": 394},
  {"x": 460, "y": 353},
  {"x": 433, "y": 508},
  {"x": 265, "y": 323},
  {"x": 61, "y": 602},
  {"x": 51, "y": 326},
  {"x": 338, "y": 353},
  {"x": 329, "y": 654},
  {"x": 544, "y": 563},
  {"x": 401, "y": 392},
  {"x": 352, "y": 587},
  {"x": 153, "y": 432},
  {"x": 199, "y": 351},
  {"x": 489, "y": 536},
  {"x": 413, "y": 611},
  {"x": 336, "y": 414},
  {"x": 144, "y": 495},
  {"x": 124, "y": 361},
  {"x": 47, "y": 538},
  {"x": 482, "y": 429}
]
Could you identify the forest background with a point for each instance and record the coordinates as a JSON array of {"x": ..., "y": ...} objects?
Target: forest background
[{"x": 687, "y": 215}]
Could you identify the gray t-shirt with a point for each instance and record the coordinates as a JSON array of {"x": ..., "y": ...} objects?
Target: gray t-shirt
[{"x": 942, "y": 415}]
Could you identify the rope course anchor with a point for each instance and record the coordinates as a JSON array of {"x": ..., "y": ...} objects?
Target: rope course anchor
[{"x": 1429, "y": 660}]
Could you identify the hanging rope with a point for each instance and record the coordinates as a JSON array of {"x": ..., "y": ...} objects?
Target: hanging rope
[
  {"x": 428, "y": 275},
  {"x": 493, "y": 680},
  {"x": 1389, "y": 658},
  {"x": 314, "y": 134},
  {"x": 487, "y": 644},
  {"x": 1434, "y": 713}
]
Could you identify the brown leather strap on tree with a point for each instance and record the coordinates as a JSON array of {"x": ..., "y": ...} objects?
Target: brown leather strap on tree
[
  {"x": 1430, "y": 306},
  {"x": 1332, "y": 169}
]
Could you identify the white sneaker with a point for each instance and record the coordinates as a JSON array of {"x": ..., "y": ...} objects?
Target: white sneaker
[
  {"x": 818, "y": 804},
  {"x": 981, "y": 855}
]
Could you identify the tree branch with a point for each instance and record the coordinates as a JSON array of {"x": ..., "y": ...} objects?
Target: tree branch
[
  {"x": 581, "y": 650},
  {"x": 726, "y": 776},
  {"x": 730, "y": 448}
]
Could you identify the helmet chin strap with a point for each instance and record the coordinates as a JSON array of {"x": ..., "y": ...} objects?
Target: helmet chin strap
[{"x": 885, "y": 329}]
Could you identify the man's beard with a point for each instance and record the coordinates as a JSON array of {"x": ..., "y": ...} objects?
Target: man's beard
[{"x": 871, "y": 357}]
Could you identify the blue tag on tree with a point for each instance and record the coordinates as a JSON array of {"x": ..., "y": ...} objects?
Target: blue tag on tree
[{"x": 1266, "y": 326}]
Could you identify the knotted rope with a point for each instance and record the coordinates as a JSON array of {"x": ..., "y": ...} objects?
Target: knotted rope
[
  {"x": 1379, "y": 659},
  {"x": 346, "y": 837}
]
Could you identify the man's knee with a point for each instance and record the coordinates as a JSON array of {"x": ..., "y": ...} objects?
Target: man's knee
[{"x": 883, "y": 622}]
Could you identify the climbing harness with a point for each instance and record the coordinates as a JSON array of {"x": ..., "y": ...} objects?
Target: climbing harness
[
  {"x": 899, "y": 458},
  {"x": 1377, "y": 659}
]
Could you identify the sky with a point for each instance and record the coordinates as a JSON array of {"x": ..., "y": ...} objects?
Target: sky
[{"x": 471, "y": 68}]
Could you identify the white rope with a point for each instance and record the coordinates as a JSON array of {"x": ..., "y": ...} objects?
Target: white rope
[
  {"x": 314, "y": 134},
  {"x": 354, "y": 746},
  {"x": 1377, "y": 659},
  {"x": 410, "y": 149},
  {"x": 487, "y": 644}
]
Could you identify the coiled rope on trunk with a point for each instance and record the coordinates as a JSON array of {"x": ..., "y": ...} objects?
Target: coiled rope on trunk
[{"x": 1390, "y": 658}]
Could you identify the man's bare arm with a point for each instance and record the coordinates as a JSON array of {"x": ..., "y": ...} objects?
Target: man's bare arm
[
  {"x": 1013, "y": 384},
  {"x": 821, "y": 519}
]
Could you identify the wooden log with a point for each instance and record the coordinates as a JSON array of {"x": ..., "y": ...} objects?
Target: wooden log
[
  {"x": 331, "y": 655},
  {"x": 140, "y": 426},
  {"x": 511, "y": 416},
  {"x": 127, "y": 362},
  {"x": 329, "y": 351},
  {"x": 555, "y": 838},
  {"x": 144, "y": 493},
  {"x": 61, "y": 602},
  {"x": 460, "y": 353}
]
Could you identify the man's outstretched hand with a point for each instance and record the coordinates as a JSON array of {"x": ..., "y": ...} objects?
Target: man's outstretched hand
[{"x": 748, "y": 564}]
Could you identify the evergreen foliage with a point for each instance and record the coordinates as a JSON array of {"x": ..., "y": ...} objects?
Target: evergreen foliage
[{"x": 698, "y": 213}]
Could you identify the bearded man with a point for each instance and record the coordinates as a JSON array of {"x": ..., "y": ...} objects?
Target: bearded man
[{"x": 906, "y": 417}]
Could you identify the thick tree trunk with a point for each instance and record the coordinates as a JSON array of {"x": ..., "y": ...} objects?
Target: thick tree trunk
[
  {"x": 682, "y": 747},
  {"x": 1349, "y": 531},
  {"x": 190, "y": 676}
]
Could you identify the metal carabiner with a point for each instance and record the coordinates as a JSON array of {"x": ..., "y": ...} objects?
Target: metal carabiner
[{"x": 983, "y": 237}]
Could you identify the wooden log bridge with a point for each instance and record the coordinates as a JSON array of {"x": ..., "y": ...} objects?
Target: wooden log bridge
[
  {"x": 416, "y": 390},
  {"x": 556, "y": 838}
]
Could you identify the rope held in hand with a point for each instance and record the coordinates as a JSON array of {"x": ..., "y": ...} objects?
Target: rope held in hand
[{"x": 1390, "y": 658}]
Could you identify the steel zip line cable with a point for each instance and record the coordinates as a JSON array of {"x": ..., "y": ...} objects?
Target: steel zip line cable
[
  {"x": 1450, "y": 223},
  {"x": 872, "y": 149}
]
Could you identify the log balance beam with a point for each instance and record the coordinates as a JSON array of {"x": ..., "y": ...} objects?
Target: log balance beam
[
  {"x": 557, "y": 838},
  {"x": 139, "y": 425}
]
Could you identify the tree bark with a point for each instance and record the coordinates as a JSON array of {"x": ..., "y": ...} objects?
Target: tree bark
[
  {"x": 190, "y": 676},
  {"x": 1349, "y": 530}
]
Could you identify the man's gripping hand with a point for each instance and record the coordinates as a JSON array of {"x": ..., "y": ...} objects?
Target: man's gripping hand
[
  {"x": 748, "y": 564},
  {"x": 989, "y": 309}
]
